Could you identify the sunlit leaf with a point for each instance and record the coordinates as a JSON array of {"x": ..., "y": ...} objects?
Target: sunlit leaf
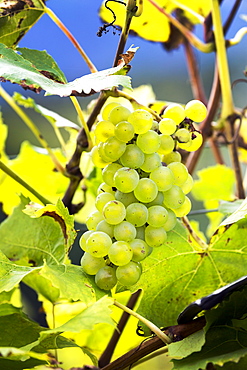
[
  {"x": 16, "y": 69},
  {"x": 17, "y": 17}
]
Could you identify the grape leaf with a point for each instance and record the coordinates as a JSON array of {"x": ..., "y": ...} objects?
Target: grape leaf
[
  {"x": 186, "y": 272},
  {"x": 16, "y": 69},
  {"x": 237, "y": 215},
  {"x": 35, "y": 240},
  {"x": 17, "y": 17},
  {"x": 3, "y": 137},
  {"x": 152, "y": 24}
]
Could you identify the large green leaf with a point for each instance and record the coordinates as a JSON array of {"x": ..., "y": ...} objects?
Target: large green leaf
[
  {"x": 35, "y": 240},
  {"x": 17, "y": 17},
  {"x": 180, "y": 272},
  {"x": 16, "y": 69}
]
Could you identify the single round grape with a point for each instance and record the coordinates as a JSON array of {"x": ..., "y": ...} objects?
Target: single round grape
[
  {"x": 195, "y": 110},
  {"x": 102, "y": 153},
  {"x": 102, "y": 199},
  {"x": 97, "y": 159},
  {"x": 104, "y": 130},
  {"x": 146, "y": 190},
  {"x": 114, "y": 212},
  {"x": 93, "y": 219},
  {"x": 179, "y": 171},
  {"x": 187, "y": 185},
  {"x": 109, "y": 172},
  {"x": 183, "y": 135},
  {"x": 107, "y": 109},
  {"x": 124, "y": 131},
  {"x": 104, "y": 188},
  {"x": 163, "y": 178},
  {"x": 171, "y": 157},
  {"x": 125, "y": 198},
  {"x": 167, "y": 144},
  {"x": 120, "y": 253},
  {"x": 175, "y": 112},
  {"x": 184, "y": 209},
  {"x": 140, "y": 250},
  {"x": 98, "y": 244},
  {"x": 126, "y": 179},
  {"x": 196, "y": 141},
  {"x": 171, "y": 220},
  {"x": 83, "y": 239},
  {"x": 157, "y": 201},
  {"x": 133, "y": 157},
  {"x": 155, "y": 236},
  {"x": 174, "y": 197},
  {"x": 157, "y": 216},
  {"x": 114, "y": 148},
  {"x": 106, "y": 228},
  {"x": 129, "y": 274},
  {"x": 141, "y": 120},
  {"x": 137, "y": 214},
  {"x": 90, "y": 264},
  {"x": 106, "y": 278},
  {"x": 118, "y": 114},
  {"x": 167, "y": 126},
  {"x": 151, "y": 161},
  {"x": 124, "y": 231},
  {"x": 148, "y": 142}
]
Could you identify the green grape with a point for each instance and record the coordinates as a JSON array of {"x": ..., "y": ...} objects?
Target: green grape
[
  {"x": 104, "y": 130},
  {"x": 163, "y": 178},
  {"x": 167, "y": 126},
  {"x": 124, "y": 131},
  {"x": 114, "y": 212},
  {"x": 126, "y": 179},
  {"x": 109, "y": 172},
  {"x": 184, "y": 209},
  {"x": 120, "y": 253},
  {"x": 179, "y": 171},
  {"x": 183, "y": 135},
  {"x": 141, "y": 120},
  {"x": 196, "y": 110},
  {"x": 106, "y": 278},
  {"x": 118, "y": 114},
  {"x": 157, "y": 201},
  {"x": 196, "y": 141},
  {"x": 140, "y": 250},
  {"x": 114, "y": 148},
  {"x": 107, "y": 109},
  {"x": 106, "y": 228},
  {"x": 129, "y": 274},
  {"x": 171, "y": 157},
  {"x": 155, "y": 236},
  {"x": 157, "y": 216},
  {"x": 140, "y": 232},
  {"x": 83, "y": 239},
  {"x": 137, "y": 214},
  {"x": 133, "y": 157},
  {"x": 90, "y": 264},
  {"x": 146, "y": 190},
  {"x": 175, "y": 112},
  {"x": 148, "y": 142},
  {"x": 104, "y": 188},
  {"x": 93, "y": 219},
  {"x": 98, "y": 244},
  {"x": 174, "y": 197},
  {"x": 151, "y": 161},
  {"x": 102, "y": 199},
  {"x": 102, "y": 153},
  {"x": 97, "y": 159},
  {"x": 167, "y": 144},
  {"x": 171, "y": 220},
  {"x": 124, "y": 231},
  {"x": 125, "y": 198},
  {"x": 187, "y": 185}
]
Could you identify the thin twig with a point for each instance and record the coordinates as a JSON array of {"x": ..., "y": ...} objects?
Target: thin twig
[{"x": 198, "y": 240}]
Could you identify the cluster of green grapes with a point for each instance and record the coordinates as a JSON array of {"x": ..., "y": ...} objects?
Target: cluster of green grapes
[{"x": 144, "y": 189}]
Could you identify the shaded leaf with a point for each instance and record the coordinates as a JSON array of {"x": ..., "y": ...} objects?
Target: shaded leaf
[
  {"x": 16, "y": 69},
  {"x": 237, "y": 215},
  {"x": 17, "y": 17},
  {"x": 183, "y": 348},
  {"x": 35, "y": 240},
  {"x": 229, "y": 207}
]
